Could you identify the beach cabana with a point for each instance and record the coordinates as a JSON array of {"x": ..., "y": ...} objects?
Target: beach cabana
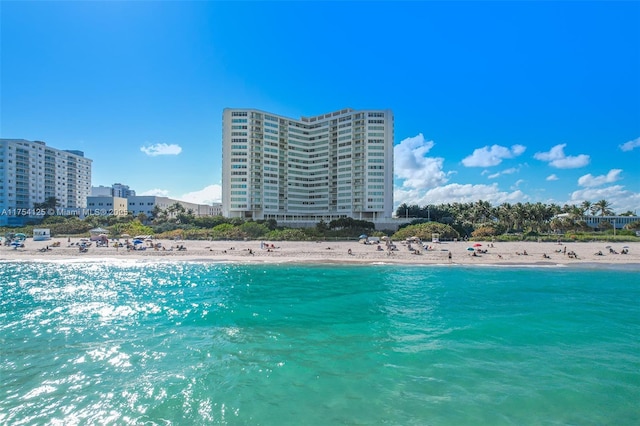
[
  {"x": 98, "y": 233},
  {"x": 41, "y": 234}
]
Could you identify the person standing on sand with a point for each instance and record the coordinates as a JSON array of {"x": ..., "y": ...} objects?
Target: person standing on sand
[{"x": 450, "y": 257}]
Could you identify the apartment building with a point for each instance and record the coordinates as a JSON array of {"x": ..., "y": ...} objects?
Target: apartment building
[
  {"x": 31, "y": 172},
  {"x": 328, "y": 166}
]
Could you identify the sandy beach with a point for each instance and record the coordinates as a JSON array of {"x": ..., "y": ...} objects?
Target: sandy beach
[{"x": 499, "y": 253}]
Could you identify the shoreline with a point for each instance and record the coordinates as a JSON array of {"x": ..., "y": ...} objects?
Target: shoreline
[{"x": 502, "y": 254}]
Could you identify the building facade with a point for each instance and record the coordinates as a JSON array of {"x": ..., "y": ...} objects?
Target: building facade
[
  {"x": 115, "y": 190},
  {"x": 325, "y": 167},
  {"x": 31, "y": 172},
  {"x": 147, "y": 203},
  {"x": 101, "y": 191},
  {"x": 106, "y": 206},
  {"x": 616, "y": 222},
  {"x": 123, "y": 191}
]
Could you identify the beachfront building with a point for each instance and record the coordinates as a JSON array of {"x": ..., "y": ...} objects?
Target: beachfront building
[
  {"x": 615, "y": 222},
  {"x": 32, "y": 172},
  {"x": 147, "y": 204},
  {"x": 106, "y": 206},
  {"x": 324, "y": 167}
]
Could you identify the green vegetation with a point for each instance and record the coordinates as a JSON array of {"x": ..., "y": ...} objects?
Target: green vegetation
[
  {"x": 522, "y": 221},
  {"x": 176, "y": 222},
  {"x": 425, "y": 231},
  {"x": 479, "y": 220}
]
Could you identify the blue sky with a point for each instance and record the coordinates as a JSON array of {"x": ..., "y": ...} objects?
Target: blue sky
[{"x": 499, "y": 101}]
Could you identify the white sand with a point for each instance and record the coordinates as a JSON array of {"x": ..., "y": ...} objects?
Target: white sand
[{"x": 502, "y": 253}]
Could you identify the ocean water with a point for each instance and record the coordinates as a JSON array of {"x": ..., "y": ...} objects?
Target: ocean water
[{"x": 205, "y": 343}]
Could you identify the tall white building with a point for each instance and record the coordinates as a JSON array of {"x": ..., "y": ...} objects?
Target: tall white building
[
  {"x": 31, "y": 172},
  {"x": 326, "y": 167}
]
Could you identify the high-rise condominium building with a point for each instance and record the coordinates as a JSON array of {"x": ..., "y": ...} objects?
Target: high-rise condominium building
[
  {"x": 326, "y": 167},
  {"x": 31, "y": 172}
]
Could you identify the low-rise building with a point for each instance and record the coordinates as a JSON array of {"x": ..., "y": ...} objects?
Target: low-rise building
[
  {"x": 617, "y": 222},
  {"x": 147, "y": 204},
  {"x": 106, "y": 206}
]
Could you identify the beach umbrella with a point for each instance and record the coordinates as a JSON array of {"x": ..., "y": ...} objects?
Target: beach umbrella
[
  {"x": 477, "y": 245},
  {"x": 125, "y": 236},
  {"x": 362, "y": 236},
  {"x": 470, "y": 248},
  {"x": 137, "y": 241}
]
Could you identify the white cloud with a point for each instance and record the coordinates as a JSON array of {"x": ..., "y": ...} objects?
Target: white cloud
[
  {"x": 557, "y": 158},
  {"x": 413, "y": 166},
  {"x": 510, "y": 171},
  {"x": 590, "y": 180},
  {"x": 161, "y": 149},
  {"x": 621, "y": 199},
  {"x": 552, "y": 177},
  {"x": 157, "y": 192},
  {"x": 492, "y": 156},
  {"x": 460, "y": 193},
  {"x": 628, "y": 146},
  {"x": 207, "y": 195}
]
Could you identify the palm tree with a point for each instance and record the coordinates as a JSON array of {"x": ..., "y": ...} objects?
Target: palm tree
[
  {"x": 602, "y": 206},
  {"x": 159, "y": 215},
  {"x": 586, "y": 207},
  {"x": 505, "y": 213},
  {"x": 519, "y": 216},
  {"x": 481, "y": 211},
  {"x": 539, "y": 215}
]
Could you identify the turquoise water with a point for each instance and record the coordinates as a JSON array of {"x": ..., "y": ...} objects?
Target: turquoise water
[{"x": 206, "y": 343}]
